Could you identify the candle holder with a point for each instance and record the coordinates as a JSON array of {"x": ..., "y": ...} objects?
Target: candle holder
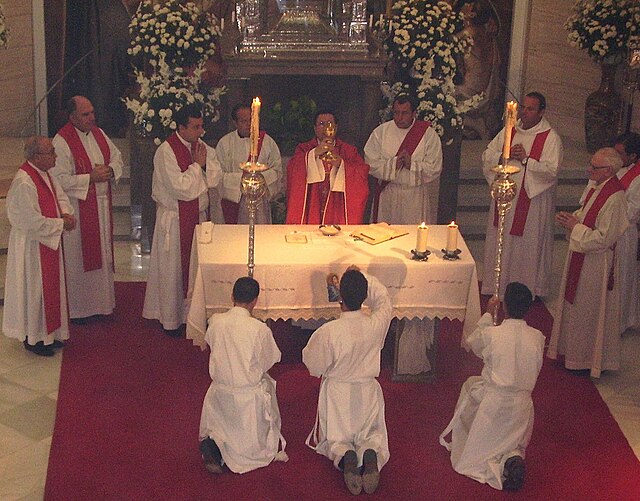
[
  {"x": 420, "y": 256},
  {"x": 451, "y": 255},
  {"x": 503, "y": 191},
  {"x": 253, "y": 187}
]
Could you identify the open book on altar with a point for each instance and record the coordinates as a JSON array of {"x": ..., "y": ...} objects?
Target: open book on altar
[{"x": 378, "y": 232}]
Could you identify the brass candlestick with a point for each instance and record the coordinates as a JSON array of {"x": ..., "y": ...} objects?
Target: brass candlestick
[
  {"x": 253, "y": 187},
  {"x": 503, "y": 191}
]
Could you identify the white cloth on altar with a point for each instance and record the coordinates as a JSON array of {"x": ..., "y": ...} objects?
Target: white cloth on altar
[
  {"x": 527, "y": 259},
  {"x": 346, "y": 354},
  {"x": 90, "y": 292},
  {"x": 232, "y": 151},
  {"x": 406, "y": 199},
  {"x": 164, "y": 299},
  {"x": 23, "y": 304},
  {"x": 627, "y": 257},
  {"x": 240, "y": 410},
  {"x": 493, "y": 418},
  {"x": 587, "y": 332}
]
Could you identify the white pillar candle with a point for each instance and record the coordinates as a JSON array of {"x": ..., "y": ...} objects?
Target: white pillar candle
[
  {"x": 255, "y": 128},
  {"x": 452, "y": 236},
  {"x": 370, "y": 20},
  {"x": 221, "y": 25},
  {"x": 421, "y": 241}
]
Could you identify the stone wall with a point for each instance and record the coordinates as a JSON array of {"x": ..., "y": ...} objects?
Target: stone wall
[
  {"x": 564, "y": 74},
  {"x": 17, "y": 88}
]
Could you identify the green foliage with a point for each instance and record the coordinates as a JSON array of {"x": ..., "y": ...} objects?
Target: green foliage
[{"x": 290, "y": 123}]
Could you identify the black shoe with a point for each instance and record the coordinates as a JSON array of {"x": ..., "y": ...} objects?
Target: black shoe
[
  {"x": 174, "y": 332},
  {"x": 80, "y": 321},
  {"x": 370, "y": 475},
  {"x": 39, "y": 349},
  {"x": 57, "y": 345},
  {"x": 211, "y": 455},
  {"x": 352, "y": 477},
  {"x": 514, "y": 471}
]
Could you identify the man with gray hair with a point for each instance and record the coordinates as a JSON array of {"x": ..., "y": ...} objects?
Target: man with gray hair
[
  {"x": 35, "y": 309},
  {"x": 586, "y": 319}
]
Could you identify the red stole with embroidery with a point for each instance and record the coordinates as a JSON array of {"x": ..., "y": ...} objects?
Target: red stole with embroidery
[
  {"x": 577, "y": 258},
  {"x": 88, "y": 208},
  {"x": 630, "y": 175},
  {"x": 49, "y": 258},
  {"x": 409, "y": 144},
  {"x": 524, "y": 202},
  {"x": 188, "y": 211}
]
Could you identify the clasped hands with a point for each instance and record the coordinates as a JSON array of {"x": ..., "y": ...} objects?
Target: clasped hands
[
  {"x": 403, "y": 160},
  {"x": 100, "y": 173},
  {"x": 68, "y": 221},
  {"x": 566, "y": 220},
  {"x": 325, "y": 145}
]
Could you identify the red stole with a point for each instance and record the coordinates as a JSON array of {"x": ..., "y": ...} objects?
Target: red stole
[
  {"x": 524, "y": 202},
  {"x": 409, "y": 144},
  {"x": 630, "y": 175},
  {"x": 88, "y": 208},
  {"x": 188, "y": 211},
  {"x": 230, "y": 210},
  {"x": 577, "y": 258},
  {"x": 49, "y": 258}
]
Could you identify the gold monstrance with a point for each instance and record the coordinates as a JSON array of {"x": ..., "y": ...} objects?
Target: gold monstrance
[
  {"x": 253, "y": 185},
  {"x": 503, "y": 191}
]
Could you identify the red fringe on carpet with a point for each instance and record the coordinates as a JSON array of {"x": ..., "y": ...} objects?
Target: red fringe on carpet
[{"x": 129, "y": 406}]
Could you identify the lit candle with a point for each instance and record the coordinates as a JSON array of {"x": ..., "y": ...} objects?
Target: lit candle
[
  {"x": 421, "y": 242},
  {"x": 255, "y": 128},
  {"x": 222, "y": 25},
  {"x": 510, "y": 117},
  {"x": 452, "y": 236},
  {"x": 233, "y": 17},
  {"x": 370, "y": 20}
]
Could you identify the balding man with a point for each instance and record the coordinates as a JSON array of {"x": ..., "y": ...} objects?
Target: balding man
[
  {"x": 87, "y": 162},
  {"x": 586, "y": 320},
  {"x": 35, "y": 308}
]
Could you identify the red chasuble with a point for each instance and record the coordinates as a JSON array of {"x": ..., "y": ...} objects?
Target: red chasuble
[
  {"x": 49, "y": 258},
  {"x": 230, "y": 210},
  {"x": 409, "y": 144},
  {"x": 524, "y": 202},
  {"x": 188, "y": 212},
  {"x": 305, "y": 201},
  {"x": 88, "y": 208},
  {"x": 577, "y": 258}
]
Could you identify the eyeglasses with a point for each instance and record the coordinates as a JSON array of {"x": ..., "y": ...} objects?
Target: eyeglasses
[
  {"x": 323, "y": 123},
  {"x": 593, "y": 167},
  {"x": 52, "y": 152}
]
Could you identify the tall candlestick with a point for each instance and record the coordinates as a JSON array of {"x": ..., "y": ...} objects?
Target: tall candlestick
[
  {"x": 255, "y": 128},
  {"x": 510, "y": 117},
  {"x": 452, "y": 236},
  {"x": 421, "y": 242}
]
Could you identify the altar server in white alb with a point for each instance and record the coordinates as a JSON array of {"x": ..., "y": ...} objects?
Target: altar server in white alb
[
  {"x": 350, "y": 426},
  {"x": 184, "y": 167},
  {"x": 35, "y": 299},
  {"x": 628, "y": 147},
  {"x": 233, "y": 150},
  {"x": 87, "y": 163},
  {"x": 405, "y": 155},
  {"x": 536, "y": 148},
  {"x": 493, "y": 420},
  {"x": 586, "y": 317},
  {"x": 240, "y": 421}
]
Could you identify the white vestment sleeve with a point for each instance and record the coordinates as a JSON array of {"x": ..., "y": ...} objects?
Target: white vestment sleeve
[
  {"x": 476, "y": 341},
  {"x": 429, "y": 165},
  {"x": 187, "y": 185},
  {"x": 115, "y": 162},
  {"x": 213, "y": 169},
  {"x": 317, "y": 355},
  {"x": 541, "y": 175},
  {"x": 632, "y": 194},
  {"x": 379, "y": 302},
  {"x": 379, "y": 166},
  {"x": 610, "y": 225},
  {"x": 269, "y": 351}
]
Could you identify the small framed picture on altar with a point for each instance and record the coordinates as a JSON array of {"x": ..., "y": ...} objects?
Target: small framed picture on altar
[
  {"x": 295, "y": 238},
  {"x": 333, "y": 288}
]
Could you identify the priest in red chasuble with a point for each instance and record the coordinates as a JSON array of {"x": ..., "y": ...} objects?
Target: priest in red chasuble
[{"x": 326, "y": 179}]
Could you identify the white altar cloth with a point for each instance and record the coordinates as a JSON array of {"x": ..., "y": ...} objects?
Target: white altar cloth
[{"x": 292, "y": 276}]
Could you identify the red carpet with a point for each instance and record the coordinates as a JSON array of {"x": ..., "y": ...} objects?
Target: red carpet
[{"x": 129, "y": 407}]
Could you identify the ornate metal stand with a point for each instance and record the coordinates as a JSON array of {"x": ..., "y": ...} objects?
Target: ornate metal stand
[
  {"x": 503, "y": 191},
  {"x": 253, "y": 187}
]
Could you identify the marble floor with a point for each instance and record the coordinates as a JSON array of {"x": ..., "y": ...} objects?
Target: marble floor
[{"x": 29, "y": 390}]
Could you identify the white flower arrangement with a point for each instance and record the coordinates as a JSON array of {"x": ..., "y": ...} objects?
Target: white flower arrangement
[
  {"x": 605, "y": 28},
  {"x": 426, "y": 40},
  {"x": 170, "y": 43},
  {"x": 165, "y": 92},
  {"x": 4, "y": 30}
]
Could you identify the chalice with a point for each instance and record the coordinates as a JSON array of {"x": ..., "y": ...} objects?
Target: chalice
[{"x": 329, "y": 131}]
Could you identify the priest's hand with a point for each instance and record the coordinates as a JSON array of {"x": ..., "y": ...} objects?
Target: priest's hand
[
  {"x": 324, "y": 145},
  {"x": 100, "y": 173},
  {"x": 566, "y": 220},
  {"x": 518, "y": 152},
  {"x": 68, "y": 222},
  {"x": 200, "y": 154},
  {"x": 404, "y": 160},
  {"x": 493, "y": 306}
]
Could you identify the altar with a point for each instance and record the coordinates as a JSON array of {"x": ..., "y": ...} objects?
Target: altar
[{"x": 293, "y": 276}]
